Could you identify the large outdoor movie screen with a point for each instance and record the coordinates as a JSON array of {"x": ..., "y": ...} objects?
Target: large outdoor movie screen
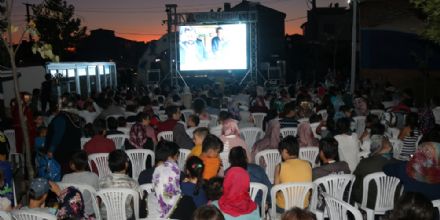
[{"x": 213, "y": 47}]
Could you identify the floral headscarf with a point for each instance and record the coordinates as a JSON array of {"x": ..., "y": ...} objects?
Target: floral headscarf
[
  {"x": 230, "y": 127},
  {"x": 424, "y": 166},
  {"x": 166, "y": 180},
  {"x": 71, "y": 204},
  {"x": 138, "y": 135}
]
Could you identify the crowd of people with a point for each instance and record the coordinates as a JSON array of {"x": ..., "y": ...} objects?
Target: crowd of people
[{"x": 324, "y": 114}]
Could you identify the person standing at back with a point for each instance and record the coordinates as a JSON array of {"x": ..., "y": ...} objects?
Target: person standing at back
[{"x": 46, "y": 92}]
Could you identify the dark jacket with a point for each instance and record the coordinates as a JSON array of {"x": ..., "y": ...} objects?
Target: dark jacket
[{"x": 331, "y": 168}]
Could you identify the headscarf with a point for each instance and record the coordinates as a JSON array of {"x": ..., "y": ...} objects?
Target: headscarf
[
  {"x": 305, "y": 135},
  {"x": 424, "y": 166},
  {"x": 230, "y": 127},
  {"x": 138, "y": 135},
  {"x": 235, "y": 200},
  {"x": 166, "y": 180},
  {"x": 71, "y": 204}
]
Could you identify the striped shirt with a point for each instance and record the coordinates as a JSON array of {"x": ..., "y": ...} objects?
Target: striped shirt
[{"x": 409, "y": 144}]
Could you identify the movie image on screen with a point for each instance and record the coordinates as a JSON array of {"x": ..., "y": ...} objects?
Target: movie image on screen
[{"x": 213, "y": 47}]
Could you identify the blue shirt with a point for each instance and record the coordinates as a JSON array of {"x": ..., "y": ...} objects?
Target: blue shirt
[
  {"x": 188, "y": 189},
  {"x": 258, "y": 175},
  {"x": 6, "y": 190},
  {"x": 254, "y": 215}
]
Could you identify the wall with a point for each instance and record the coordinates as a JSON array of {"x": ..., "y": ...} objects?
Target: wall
[{"x": 31, "y": 78}]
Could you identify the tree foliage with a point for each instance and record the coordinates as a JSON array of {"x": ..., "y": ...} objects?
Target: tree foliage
[
  {"x": 57, "y": 25},
  {"x": 431, "y": 8}
]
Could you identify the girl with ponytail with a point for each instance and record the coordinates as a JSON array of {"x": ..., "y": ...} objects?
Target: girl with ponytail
[{"x": 192, "y": 185}]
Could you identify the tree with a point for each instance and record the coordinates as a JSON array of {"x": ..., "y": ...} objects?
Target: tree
[
  {"x": 6, "y": 32},
  {"x": 431, "y": 9},
  {"x": 54, "y": 20}
]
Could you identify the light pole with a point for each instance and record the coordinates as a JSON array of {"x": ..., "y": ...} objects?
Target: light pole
[{"x": 353, "y": 46}]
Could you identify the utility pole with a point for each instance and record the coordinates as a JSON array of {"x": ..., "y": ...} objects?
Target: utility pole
[{"x": 28, "y": 17}]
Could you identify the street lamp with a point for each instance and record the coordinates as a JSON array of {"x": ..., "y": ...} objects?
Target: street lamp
[{"x": 353, "y": 46}]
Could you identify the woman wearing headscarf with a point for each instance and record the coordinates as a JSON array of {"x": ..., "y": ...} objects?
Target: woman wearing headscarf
[
  {"x": 259, "y": 105},
  {"x": 305, "y": 136},
  {"x": 421, "y": 173},
  {"x": 231, "y": 135},
  {"x": 71, "y": 205},
  {"x": 142, "y": 135},
  {"x": 235, "y": 203},
  {"x": 167, "y": 201},
  {"x": 270, "y": 140}
]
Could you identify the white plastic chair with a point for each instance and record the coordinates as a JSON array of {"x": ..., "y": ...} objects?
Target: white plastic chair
[
  {"x": 217, "y": 130},
  {"x": 32, "y": 215},
  {"x": 138, "y": 160},
  {"x": 394, "y": 132},
  {"x": 377, "y": 112},
  {"x": 83, "y": 188},
  {"x": 397, "y": 148},
  {"x": 115, "y": 199},
  {"x": 118, "y": 139},
  {"x": 147, "y": 187},
  {"x": 258, "y": 119},
  {"x": 303, "y": 120},
  {"x": 129, "y": 114},
  {"x": 323, "y": 114},
  {"x": 436, "y": 204},
  {"x": 183, "y": 156},
  {"x": 386, "y": 189},
  {"x": 163, "y": 117},
  {"x": 10, "y": 135},
  {"x": 166, "y": 135},
  {"x": 253, "y": 191},
  {"x": 204, "y": 123},
  {"x": 84, "y": 140},
  {"x": 310, "y": 154},
  {"x": 337, "y": 209},
  {"x": 224, "y": 156},
  {"x": 189, "y": 131},
  {"x": 250, "y": 136},
  {"x": 114, "y": 116},
  {"x": 360, "y": 124},
  {"x": 5, "y": 215},
  {"x": 334, "y": 185},
  {"x": 186, "y": 113},
  {"x": 125, "y": 130},
  {"x": 288, "y": 131},
  {"x": 294, "y": 195},
  {"x": 213, "y": 120},
  {"x": 101, "y": 162},
  {"x": 314, "y": 126},
  {"x": 271, "y": 158}
]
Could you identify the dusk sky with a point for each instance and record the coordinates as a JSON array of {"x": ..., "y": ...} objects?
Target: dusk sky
[{"x": 141, "y": 20}]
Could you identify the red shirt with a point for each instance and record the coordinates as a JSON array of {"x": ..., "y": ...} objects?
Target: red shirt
[
  {"x": 99, "y": 144},
  {"x": 167, "y": 125}
]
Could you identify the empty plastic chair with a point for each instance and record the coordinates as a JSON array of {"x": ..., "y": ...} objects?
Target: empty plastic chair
[
  {"x": 251, "y": 135},
  {"x": 138, "y": 160},
  {"x": 118, "y": 139},
  {"x": 30, "y": 214},
  {"x": 338, "y": 209},
  {"x": 271, "y": 158},
  {"x": 258, "y": 119}
]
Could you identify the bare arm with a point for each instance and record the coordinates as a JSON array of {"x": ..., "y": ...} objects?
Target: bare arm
[{"x": 277, "y": 174}]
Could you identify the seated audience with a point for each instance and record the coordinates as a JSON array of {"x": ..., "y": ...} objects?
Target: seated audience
[
  {"x": 306, "y": 138},
  {"x": 298, "y": 214},
  {"x": 214, "y": 188},
  {"x": 165, "y": 151},
  {"x": 348, "y": 143},
  {"x": 198, "y": 136},
  {"x": 270, "y": 140},
  {"x": 99, "y": 143},
  {"x": 231, "y": 136},
  {"x": 80, "y": 175},
  {"x": 142, "y": 135},
  {"x": 328, "y": 152},
  {"x": 381, "y": 155},
  {"x": 167, "y": 201},
  {"x": 413, "y": 206},
  {"x": 238, "y": 158},
  {"x": 421, "y": 172},
  {"x": 235, "y": 203},
  {"x": 173, "y": 113},
  {"x": 193, "y": 121},
  {"x": 288, "y": 116},
  {"x": 110, "y": 108},
  {"x": 118, "y": 163},
  {"x": 193, "y": 182},
  {"x": 208, "y": 212},
  {"x": 409, "y": 135},
  {"x": 212, "y": 146},
  {"x": 112, "y": 125},
  {"x": 289, "y": 151}
]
